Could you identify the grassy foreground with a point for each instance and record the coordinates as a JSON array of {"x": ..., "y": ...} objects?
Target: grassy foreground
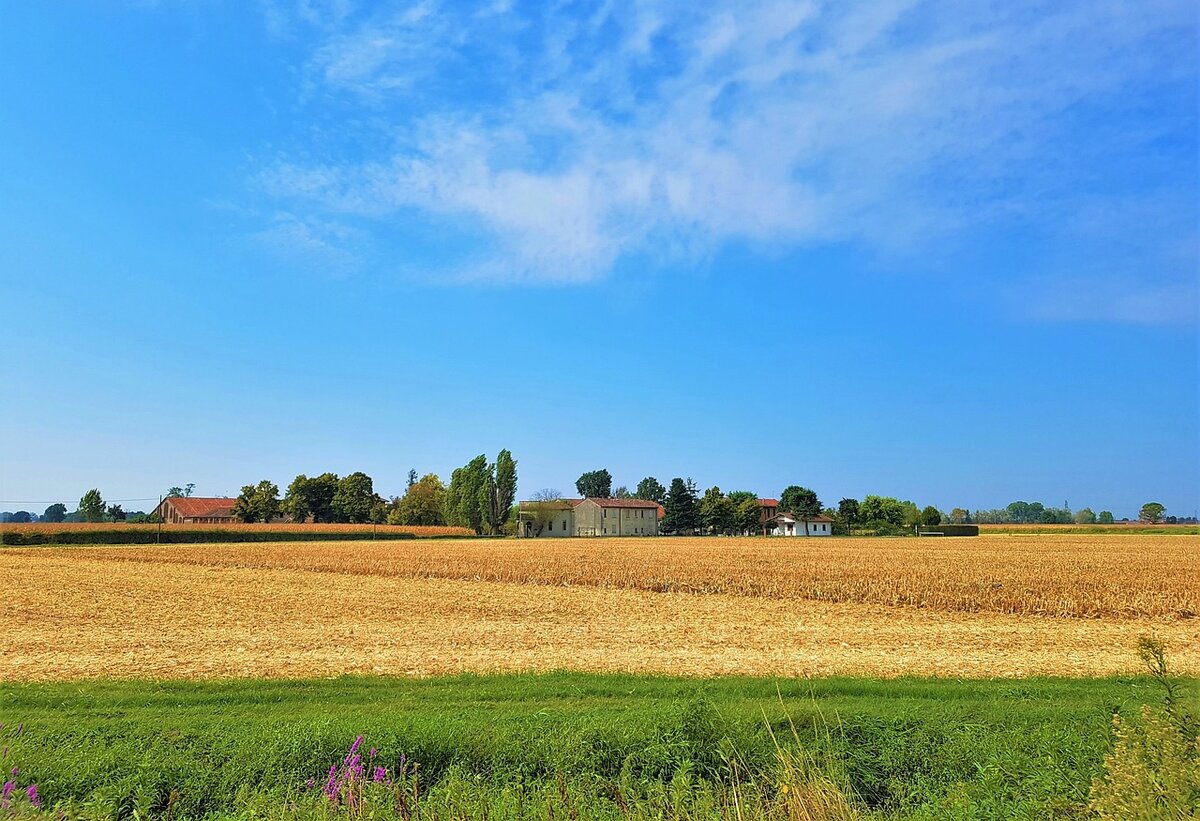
[{"x": 592, "y": 745}]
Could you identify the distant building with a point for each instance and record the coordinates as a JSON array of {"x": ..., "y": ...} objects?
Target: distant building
[
  {"x": 789, "y": 524},
  {"x": 195, "y": 510},
  {"x": 768, "y": 509},
  {"x": 588, "y": 517}
]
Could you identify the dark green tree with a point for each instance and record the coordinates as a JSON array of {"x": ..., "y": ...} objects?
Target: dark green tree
[
  {"x": 717, "y": 513},
  {"x": 595, "y": 484},
  {"x": 1105, "y": 517},
  {"x": 311, "y": 498},
  {"x": 355, "y": 499},
  {"x": 469, "y": 497},
  {"x": 800, "y": 501},
  {"x": 421, "y": 505},
  {"x": 738, "y": 497},
  {"x": 682, "y": 515},
  {"x": 749, "y": 515},
  {"x": 848, "y": 512},
  {"x": 651, "y": 490},
  {"x": 931, "y": 516},
  {"x": 55, "y": 513},
  {"x": 115, "y": 513},
  {"x": 91, "y": 506},
  {"x": 257, "y": 503},
  {"x": 503, "y": 487},
  {"x": 21, "y": 517},
  {"x": 1087, "y": 516},
  {"x": 412, "y": 478},
  {"x": 881, "y": 509},
  {"x": 1152, "y": 512}
]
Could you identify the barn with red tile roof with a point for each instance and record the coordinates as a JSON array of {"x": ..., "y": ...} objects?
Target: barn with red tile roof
[{"x": 196, "y": 510}]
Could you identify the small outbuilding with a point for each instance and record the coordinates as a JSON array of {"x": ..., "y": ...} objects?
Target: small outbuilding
[{"x": 789, "y": 524}]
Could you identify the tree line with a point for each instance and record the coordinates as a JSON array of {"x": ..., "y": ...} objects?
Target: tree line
[
  {"x": 688, "y": 511},
  {"x": 480, "y": 496}
]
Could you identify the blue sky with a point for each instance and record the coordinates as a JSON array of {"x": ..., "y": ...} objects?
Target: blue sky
[{"x": 939, "y": 252}]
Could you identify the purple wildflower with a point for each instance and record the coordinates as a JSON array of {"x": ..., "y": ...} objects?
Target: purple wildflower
[
  {"x": 31, "y": 792},
  {"x": 310, "y": 783},
  {"x": 16, "y": 771},
  {"x": 379, "y": 775},
  {"x": 374, "y": 752},
  {"x": 6, "y": 794}
]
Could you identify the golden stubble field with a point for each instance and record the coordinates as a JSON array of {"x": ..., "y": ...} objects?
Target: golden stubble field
[{"x": 995, "y": 605}]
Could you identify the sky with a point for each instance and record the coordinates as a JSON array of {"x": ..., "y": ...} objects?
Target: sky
[{"x": 945, "y": 252}]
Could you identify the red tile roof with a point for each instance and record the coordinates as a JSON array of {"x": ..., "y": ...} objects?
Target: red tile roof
[
  {"x": 769, "y": 502},
  {"x": 198, "y": 506}
]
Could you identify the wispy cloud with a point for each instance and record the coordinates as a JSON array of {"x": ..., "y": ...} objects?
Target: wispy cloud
[{"x": 567, "y": 139}]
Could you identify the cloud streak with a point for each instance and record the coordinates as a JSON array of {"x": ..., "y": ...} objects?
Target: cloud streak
[{"x": 566, "y": 140}]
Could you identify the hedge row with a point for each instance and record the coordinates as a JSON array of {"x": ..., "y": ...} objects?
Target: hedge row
[
  {"x": 175, "y": 535},
  {"x": 950, "y": 530}
]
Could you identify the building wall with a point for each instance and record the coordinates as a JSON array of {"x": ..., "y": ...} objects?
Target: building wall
[
  {"x": 560, "y": 526},
  {"x": 593, "y": 520}
]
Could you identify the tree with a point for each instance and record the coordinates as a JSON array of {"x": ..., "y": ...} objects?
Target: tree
[
  {"x": 421, "y": 505},
  {"x": 468, "y": 499},
  {"x": 881, "y": 509},
  {"x": 749, "y": 515},
  {"x": 503, "y": 487},
  {"x": 257, "y": 503},
  {"x": 651, "y": 490},
  {"x": 912, "y": 514},
  {"x": 412, "y": 478},
  {"x": 115, "y": 513},
  {"x": 311, "y": 498},
  {"x": 21, "y": 517},
  {"x": 595, "y": 484},
  {"x": 1152, "y": 512},
  {"x": 681, "y": 514},
  {"x": 92, "y": 506},
  {"x": 931, "y": 516},
  {"x": 958, "y": 515},
  {"x": 542, "y": 512},
  {"x": 716, "y": 512},
  {"x": 355, "y": 499},
  {"x": 548, "y": 494},
  {"x": 1085, "y": 517},
  {"x": 176, "y": 492},
  {"x": 800, "y": 501},
  {"x": 55, "y": 513},
  {"x": 622, "y": 493},
  {"x": 1105, "y": 517},
  {"x": 848, "y": 512}
]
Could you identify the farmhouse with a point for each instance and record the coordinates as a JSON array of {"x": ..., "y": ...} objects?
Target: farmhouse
[
  {"x": 789, "y": 524},
  {"x": 588, "y": 517},
  {"x": 195, "y": 510},
  {"x": 768, "y": 509}
]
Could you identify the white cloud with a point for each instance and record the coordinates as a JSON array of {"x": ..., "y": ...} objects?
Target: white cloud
[{"x": 569, "y": 141}]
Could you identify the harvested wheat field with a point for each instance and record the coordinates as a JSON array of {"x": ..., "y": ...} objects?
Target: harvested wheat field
[
  {"x": 1067, "y": 576},
  {"x": 695, "y": 607}
]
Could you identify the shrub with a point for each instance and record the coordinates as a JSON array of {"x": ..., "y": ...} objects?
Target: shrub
[{"x": 1153, "y": 770}]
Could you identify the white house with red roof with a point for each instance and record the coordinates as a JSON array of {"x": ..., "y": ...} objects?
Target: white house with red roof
[{"x": 790, "y": 524}]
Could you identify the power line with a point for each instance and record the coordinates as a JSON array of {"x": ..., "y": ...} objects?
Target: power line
[{"x": 57, "y": 501}]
